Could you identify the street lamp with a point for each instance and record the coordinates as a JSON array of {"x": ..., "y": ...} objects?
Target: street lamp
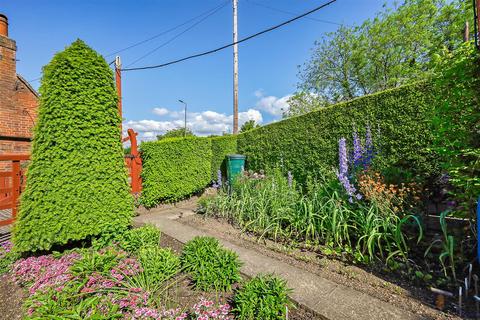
[{"x": 185, "y": 129}]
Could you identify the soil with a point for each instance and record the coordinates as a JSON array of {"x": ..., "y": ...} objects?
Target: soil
[
  {"x": 373, "y": 281},
  {"x": 11, "y": 297}
]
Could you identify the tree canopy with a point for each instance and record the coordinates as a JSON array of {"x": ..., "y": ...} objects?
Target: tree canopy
[
  {"x": 176, "y": 133},
  {"x": 393, "y": 48},
  {"x": 249, "y": 125}
]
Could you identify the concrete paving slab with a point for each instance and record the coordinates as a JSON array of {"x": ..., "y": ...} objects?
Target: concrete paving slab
[{"x": 328, "y": 299}]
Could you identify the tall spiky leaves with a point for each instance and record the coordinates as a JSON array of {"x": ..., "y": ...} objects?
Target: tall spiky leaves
[{"x": 77, "y": 182}]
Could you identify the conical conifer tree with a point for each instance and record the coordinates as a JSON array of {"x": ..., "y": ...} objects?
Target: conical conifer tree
[{"x": 77, "y": 183}]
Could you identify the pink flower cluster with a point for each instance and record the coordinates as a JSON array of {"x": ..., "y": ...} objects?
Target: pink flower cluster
[
  {"x": 153, "y": 314},
  {"x": 44, "y": 271},
  {"x": 206, "y": 309},
  {"x": 127, "y": 267},
  {"x": 5, "y": 247}
]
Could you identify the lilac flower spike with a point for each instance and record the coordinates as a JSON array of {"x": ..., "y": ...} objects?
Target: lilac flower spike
[
  {"x": 368, "y": 148},
  {"x": 290, "y": 179},
  {"x": 357, "y": 150},
  {"x": 219, "y": 178},
  {"x": 342, "y": 174}
]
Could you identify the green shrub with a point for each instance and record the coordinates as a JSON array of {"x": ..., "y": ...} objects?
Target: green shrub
[
  {"x": 77, "y": 183},
  {"x": 457, "y": 123},
  {"x": 158, "y": 264},
  {"x": 263, "y": 297},
  {"x": 7, "y": 256},
  {"x": 308, "y": 144},
  {"x": 210, "y": 265},
  {"x": 175, "y": 168},
  {"x": 221, "y": 147},
  {"x": 93, "y": 261},
  {"x": 135, "y": 239}
]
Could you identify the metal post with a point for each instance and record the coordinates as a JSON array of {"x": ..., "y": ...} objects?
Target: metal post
[
  {"x": 118, "y": 83},
  {"x": 185, "y": 129},
  {"x": 235, "y": 69}
]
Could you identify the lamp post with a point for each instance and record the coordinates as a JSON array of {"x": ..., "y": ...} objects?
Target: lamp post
[{"x": 185, "y": 129}]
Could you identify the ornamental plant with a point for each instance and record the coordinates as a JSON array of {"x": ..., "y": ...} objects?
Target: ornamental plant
[
  {"x": 77, "y": 183},
  {"x": 263, "y": 297},
  {"x": 210, "y": 265}
]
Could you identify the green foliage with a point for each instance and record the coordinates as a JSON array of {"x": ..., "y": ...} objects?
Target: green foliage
[
  {"x": 392, "y": 49},
  {"x": 448, "y": 248},
  {"x": 263, "y": 297},
  {"x": 158, "y": 264},
  {"x": 456, "y": 122},
  {"x": 210, "y": 265},
  {"x": 96, "y": 261},
  {"x": 175, "y": 168},
  {"x": 307, "y": 145},
  {"x": 249, "y": 125},
  {"x": 137, "y": 238},
  {"x": 8, "y": 256},
  {"x": 321, "y": 214},
  {"x": 176, "y": 133},
  {"x": 77, "y": 183},
  {"x": 221, "y": 147}
]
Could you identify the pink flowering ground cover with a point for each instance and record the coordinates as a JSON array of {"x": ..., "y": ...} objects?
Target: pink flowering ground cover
[{"x": 100, "y": 285}]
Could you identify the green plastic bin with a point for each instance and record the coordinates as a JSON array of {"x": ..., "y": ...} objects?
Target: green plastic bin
[{"x": 235, "y": 166}]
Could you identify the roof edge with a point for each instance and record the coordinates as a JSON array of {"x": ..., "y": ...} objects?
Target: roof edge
[{"x": 25, "y": 82}]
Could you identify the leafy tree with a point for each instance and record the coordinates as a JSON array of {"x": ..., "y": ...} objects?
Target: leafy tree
[
  {"x": 303, "y": 102},
  {"x": 77, "y": 183},
  {"x": 392, "y": 49},
  {"x": 176, "y": 133},
  {"x": 249, "y": 125}
]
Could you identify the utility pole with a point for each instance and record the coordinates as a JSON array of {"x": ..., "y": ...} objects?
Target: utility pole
[
  {"x": 118, "y": 82},
  {"x": 235, "y": 69}
]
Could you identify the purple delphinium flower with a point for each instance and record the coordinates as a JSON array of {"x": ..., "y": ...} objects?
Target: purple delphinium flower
[
  {"x": 219, "y": 178},
  {"x": 342, "y": 173},
  {"x": 357, "y": 150},
  {"x": 290, "y": 179},
  {"x": 369, "y": 150}
]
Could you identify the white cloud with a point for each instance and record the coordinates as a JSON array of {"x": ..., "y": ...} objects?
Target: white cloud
[
  {"x": 201, "y": 123},
  {"x": 271, "y": 104},
  {"x": 160, "y": 111}
]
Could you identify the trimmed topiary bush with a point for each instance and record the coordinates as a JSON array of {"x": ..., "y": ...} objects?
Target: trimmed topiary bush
[
  {"x": 175, "y": 168},
  {"x": 77, "y": 183},
  {"x": 210, "y": 265},
  {"x": 221, "y": 147},
  {"x": 263, "y": 297}
]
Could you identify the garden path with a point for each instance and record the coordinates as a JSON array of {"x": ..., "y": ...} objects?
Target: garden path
[{"x": 326, "y": 298}]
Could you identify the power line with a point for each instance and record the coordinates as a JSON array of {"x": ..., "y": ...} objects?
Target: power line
[
  {"x": 164, "y": 32},
  {"x": 291, "y": 13},
  {"x": 231, "y": 44},
  {"x": 212, "y": 12}
]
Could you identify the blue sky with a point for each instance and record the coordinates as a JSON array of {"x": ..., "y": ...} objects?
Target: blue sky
[{"x": 267, "y": 64}]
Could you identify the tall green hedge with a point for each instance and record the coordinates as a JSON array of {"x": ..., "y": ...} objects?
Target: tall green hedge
[
  {"x": 175, "y": 168},
  {"x": 221, "y": 147},
  {"x": 77, "y": 181},
  {"x": 400, "y": 120}
]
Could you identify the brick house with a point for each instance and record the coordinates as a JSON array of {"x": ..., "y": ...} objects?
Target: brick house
[{"x": 18, "y": 100}]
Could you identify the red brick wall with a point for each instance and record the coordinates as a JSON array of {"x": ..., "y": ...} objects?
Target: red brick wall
[{"x": 18, "y": 103}]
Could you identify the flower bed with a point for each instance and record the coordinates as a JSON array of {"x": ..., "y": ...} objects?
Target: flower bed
[{"x": 143, "y": 282}]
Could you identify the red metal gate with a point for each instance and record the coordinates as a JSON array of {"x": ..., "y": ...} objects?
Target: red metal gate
[
  {"x": 12, "y": 181},
  {"x": 134, "y": 163}
]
